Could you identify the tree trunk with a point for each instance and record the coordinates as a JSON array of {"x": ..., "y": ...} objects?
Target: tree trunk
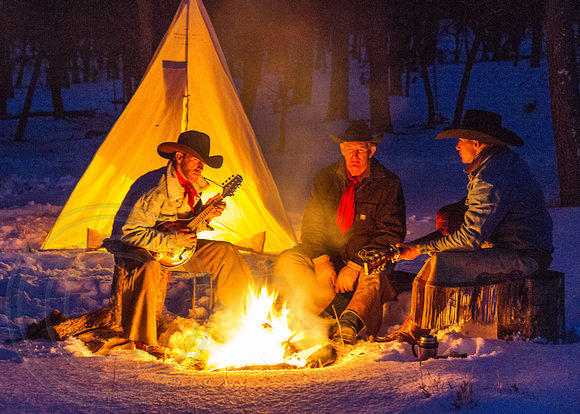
[
  {"x": 303, "y": 65},
  {"x": 55, "y": 76},
  {"x": 537, "y": 34},
  {"x": 465, "y": 79},
  {"x": 376, "y": 42},
  {"x": 339, "y": 72},
  {"x": 6, "y": 88},
  {"x": 398, "y": 47},
  {"x": 145, "y": 13},
  {"x": 320, "y": 60},
  {"x": 427, "y": 49},
  {"x": 283, "y": 94},
  {"x": 428, "y": 94},
  {"x": 252, "y": 63},
  {"x": 564, "y": 97},
  {"x": 19, "y": 137}
]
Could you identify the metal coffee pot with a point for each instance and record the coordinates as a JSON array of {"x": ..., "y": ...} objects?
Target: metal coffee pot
[{"x": 427, "y": 347}]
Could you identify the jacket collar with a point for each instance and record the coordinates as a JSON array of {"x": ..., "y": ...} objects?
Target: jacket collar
[
  {"x": 174, "y": 190},
  {"x": 482, "y": 158}
]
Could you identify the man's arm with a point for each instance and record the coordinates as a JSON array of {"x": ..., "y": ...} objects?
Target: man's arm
[
  {"x": 487, "y": 207},
  {"x": 139, "y": 228}
]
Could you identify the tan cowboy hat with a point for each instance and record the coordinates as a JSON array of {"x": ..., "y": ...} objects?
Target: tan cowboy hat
[
  {"x": 483, "y": 126},
  {"x": 194, "y": 143},
  {"x": 357, "y": 131}
]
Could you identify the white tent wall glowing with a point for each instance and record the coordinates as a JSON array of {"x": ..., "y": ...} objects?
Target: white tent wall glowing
[{"x": 187, "y": 86}]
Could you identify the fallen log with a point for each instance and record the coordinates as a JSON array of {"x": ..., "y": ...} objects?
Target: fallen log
[
  {"x": 40, "y": 329},
  {"x": 101, "y": 340},
  {"x": 100, "y": 318}
]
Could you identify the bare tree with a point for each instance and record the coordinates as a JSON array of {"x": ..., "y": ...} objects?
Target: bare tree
[
  {"x": 537, "y": 20},
  {"x": 375, "y": 28},
  {"x": 470, "y": 60},
  {"x": 426, "y": 47},
  {"x": 339, "y": 65},
  {"x": 564, "y": 97},
  {"x": 145, "y": 12},
  {"x": 6, "y": 86},
  {"x": 303, "y": 64}
]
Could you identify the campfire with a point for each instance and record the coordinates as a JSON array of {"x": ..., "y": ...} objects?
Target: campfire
[{"x": 265, "y": 337}]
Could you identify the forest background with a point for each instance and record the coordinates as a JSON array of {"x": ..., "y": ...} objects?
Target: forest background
[{"x": 396, "y": 40}]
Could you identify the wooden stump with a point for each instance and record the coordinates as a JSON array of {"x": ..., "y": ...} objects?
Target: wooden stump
[{"x": 532, "y": 308}]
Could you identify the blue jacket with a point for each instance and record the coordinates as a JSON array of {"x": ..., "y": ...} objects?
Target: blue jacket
[{"x": 505, "y": 207}]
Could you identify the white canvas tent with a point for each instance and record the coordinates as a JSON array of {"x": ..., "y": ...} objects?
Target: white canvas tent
[{"x": 187, "y": 86}]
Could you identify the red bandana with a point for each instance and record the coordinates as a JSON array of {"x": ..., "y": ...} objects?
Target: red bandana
[
  {"x": 345, "y": 214},
  {"x": 191, "y": 193}
]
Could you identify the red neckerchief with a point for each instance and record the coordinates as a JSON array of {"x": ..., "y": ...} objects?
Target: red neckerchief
[
  {"x": 345, "y": 214},
  {"x": 191, "y": 193}
]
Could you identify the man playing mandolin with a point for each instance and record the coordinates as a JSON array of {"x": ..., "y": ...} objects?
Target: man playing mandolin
[{"x": 149, "y": 237}]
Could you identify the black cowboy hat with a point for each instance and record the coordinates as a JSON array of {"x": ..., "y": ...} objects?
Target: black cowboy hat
[
  {"x": 357, "y": 131},
  {"x": 194, "y": 143},
  {"x": 483, "y": 126}
]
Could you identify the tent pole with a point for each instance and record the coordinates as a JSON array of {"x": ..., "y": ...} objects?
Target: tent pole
[{"x": 186, "y": 106}]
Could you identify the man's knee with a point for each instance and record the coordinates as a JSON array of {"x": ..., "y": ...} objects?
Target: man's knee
[{"x": 288, "y": 260}]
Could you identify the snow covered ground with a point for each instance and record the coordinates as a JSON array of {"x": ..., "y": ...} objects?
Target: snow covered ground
[{"x": 37, "y": 176}]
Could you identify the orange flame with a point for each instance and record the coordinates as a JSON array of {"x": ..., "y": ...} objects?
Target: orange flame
[{"x": 262, "y": 337}]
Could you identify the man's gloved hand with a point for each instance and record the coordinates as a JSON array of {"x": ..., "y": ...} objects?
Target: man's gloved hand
[
  {"x": 325, "y": 273},
  {"x": 346, "y": 280}
]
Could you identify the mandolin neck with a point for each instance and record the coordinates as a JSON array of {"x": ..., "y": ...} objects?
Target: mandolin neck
[{"x": 194, "y": 224}]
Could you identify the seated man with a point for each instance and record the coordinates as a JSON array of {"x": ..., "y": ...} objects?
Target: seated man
[
  {"x": 355, "y": 204},
  {"x": 506, "y": 229},
  {"x": 165, "y": 195}
]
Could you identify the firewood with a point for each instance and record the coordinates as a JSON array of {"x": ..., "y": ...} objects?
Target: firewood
[
  {"x": 39, "y": 330},
  {"x": 75, "y": 326},
  {"x": 101, "y": 340}
]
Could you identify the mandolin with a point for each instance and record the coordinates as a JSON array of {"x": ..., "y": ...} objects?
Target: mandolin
[
  {"x": 175, "y": 259},
  {"x": 375, "y": 260}
]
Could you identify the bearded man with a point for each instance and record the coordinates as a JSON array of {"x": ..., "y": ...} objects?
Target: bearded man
[{"x": 164, "y": 195}]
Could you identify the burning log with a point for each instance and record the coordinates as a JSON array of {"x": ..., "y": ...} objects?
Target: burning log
[{"x": 321, "y": 357}]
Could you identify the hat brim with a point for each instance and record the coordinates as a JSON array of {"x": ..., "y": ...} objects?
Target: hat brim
[
  {"x": 374, "y": 140},
  {"x": 506, "y": 137},
  {"x": 167, "y": 149}
]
